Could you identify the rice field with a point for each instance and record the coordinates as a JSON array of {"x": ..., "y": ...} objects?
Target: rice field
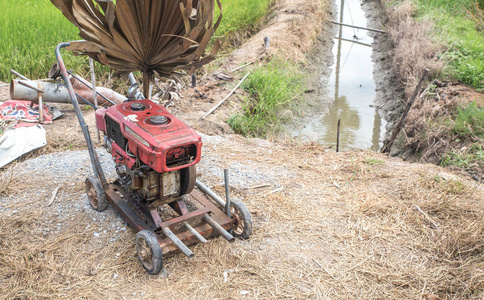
[{"x": 29, "y": 32}]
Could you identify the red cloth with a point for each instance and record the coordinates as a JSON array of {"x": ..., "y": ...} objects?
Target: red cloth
[{"x": 21, "y": 110}]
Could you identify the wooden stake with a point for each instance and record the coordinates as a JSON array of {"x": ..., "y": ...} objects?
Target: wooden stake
[{"x": 388, "y": 146}]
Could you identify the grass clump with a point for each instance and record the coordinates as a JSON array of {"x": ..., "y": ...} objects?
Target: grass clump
[
  {"x": 459, "y": 24},
  {"x": 470, "y": 121},
  {"x": 271, "y": 88},
  {"x": 30, "y": 31}
]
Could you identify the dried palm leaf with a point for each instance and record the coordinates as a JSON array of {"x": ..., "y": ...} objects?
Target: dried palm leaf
[{"x": 148, "y": 35}]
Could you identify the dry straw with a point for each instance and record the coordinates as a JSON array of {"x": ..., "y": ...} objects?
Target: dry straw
[{"x": 344, "y": 226}]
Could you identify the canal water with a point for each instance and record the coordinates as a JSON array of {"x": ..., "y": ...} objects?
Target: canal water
[{"x": 351, "y": 88}]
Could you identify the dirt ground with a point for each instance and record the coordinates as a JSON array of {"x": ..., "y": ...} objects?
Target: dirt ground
[{"x": 350, "y": 225}]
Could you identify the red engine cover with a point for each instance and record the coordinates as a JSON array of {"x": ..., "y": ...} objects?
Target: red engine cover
[{"x": 148, "y": 131}]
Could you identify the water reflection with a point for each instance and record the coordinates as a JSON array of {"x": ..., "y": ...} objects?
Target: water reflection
[
  {"x": 352, "y": 88},
  {"x": 340, "y": 110}
]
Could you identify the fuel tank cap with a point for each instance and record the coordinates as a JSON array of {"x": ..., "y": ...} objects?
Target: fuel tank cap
[
  {"x": 138, "y": 106},
  {"x": 158, "y": 120}
]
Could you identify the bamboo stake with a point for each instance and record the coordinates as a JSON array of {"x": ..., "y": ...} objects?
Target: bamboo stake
[
  {"x": 388, "y": 146},
  {"x": 223, "y": 100}
]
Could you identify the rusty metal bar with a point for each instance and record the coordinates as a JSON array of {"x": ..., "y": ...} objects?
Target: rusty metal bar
[
  {"x": 183, "y": 218},
  {"x": 90, "y": 87},
  {"x": 194, "y": 232},
  {"x": 178, "y": 242},
  {"x": 125, "y": 210},
  {"x": 219, "y": 228},
  {"x": 30, "y": 86}
]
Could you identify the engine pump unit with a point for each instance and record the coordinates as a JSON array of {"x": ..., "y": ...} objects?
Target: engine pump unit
[{"x": 155, "y": 153}]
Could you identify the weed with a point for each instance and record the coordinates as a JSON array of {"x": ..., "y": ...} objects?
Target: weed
[
  {"x": 272, "y": 88},
  {"x": 455, "y": 28},
  {"x": 374, "y": 161},
  {"x": 470, "y": 159}
]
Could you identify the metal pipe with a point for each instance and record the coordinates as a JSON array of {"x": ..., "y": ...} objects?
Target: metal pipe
[
  {"x": 358, "y": 27},
  {"x": 194, "y": 232},
  {"x": 56, "y": 93},
  {"x": 178, "y": 242},
  {"x": 93, "y": 79},
  {"x": 209, "y": 192},
  {"x": 18, "y": 74},
  {"x": 131, "y": 78},
  {"x": 227, "y": 193},
  {"x": 138, "y": 94},
  {"x": 219, "y": 228},
  {"x": 96, "y": 165},
  {"x": 94, "y": 94}
]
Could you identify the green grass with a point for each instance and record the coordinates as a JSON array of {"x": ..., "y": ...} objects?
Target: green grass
[
  {"x": 470, "y": 121},
  {"x": 29, "y": 32},
  {"x": 272, "y": 89},
  {"x": 456, "y": 26},
  {"x": 241, "y": 15}
]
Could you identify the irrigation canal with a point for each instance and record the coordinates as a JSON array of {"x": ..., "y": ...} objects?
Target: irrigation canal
[{"x": 351, "y": 88}]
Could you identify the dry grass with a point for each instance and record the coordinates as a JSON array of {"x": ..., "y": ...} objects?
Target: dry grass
[
  {"x": 414, "y": 49},
  {"x": 6, "y": 177},
  {"x": 300, "y": 37},
  {"x": 340, "y": 228},
  {"x": 429, "y": 129}
]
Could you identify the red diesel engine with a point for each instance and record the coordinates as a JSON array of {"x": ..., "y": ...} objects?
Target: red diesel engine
[{"x": 155, "y": 153}]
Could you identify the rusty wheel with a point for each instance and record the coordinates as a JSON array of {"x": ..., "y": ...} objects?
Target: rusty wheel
[
  {"x": 149, "y": 251},
  {"x": 243, "y": 220},
  {"x": 95, "y": 194}
]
